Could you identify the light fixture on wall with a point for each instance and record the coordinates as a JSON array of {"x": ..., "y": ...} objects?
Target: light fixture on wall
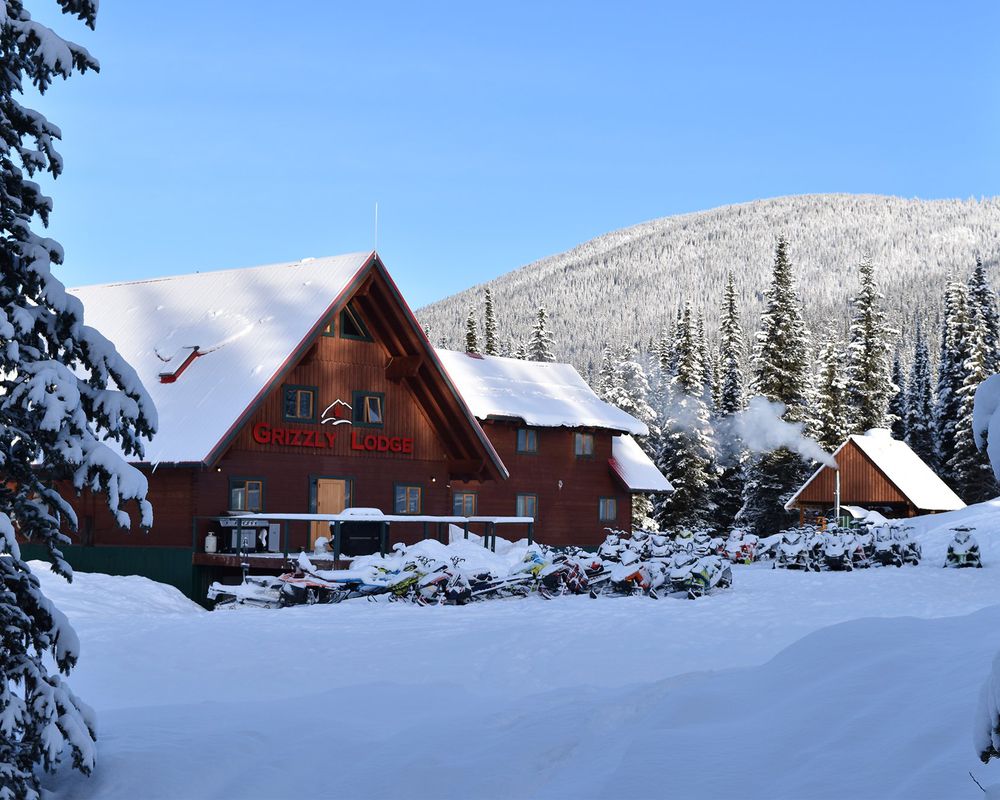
[{"x": 560, "y": 484}]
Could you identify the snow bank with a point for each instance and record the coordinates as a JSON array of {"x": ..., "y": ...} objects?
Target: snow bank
[{"x": 932, "y": 531}]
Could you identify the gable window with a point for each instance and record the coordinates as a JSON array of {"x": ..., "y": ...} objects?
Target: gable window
[
  {"x": 527, "y": 506},
  {"x": 300, "y": 404},
  {"x": 464, "y": 504},
  {"x": 368, "y": 409},
  {"x": 583, "y": 445},
  {"x": 608, "y": 511},
  {"x": 352, "y": 326},
  {"x": 527, "y": 440},
  {"x": 246, "y": 494},
  {"x": 408, "y": 499}
]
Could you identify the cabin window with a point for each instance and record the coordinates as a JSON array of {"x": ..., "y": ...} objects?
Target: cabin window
[
  {"x": 300, "y": 404},
  {"x": 464, "y": 504},
  {"x": 368, "y": 409},
  {"x": 329, "y": 329},
  {"x": 608, "y": 511},
  {"x": 246, "y": 494},
  {"x": 527, "y": 506},
  {"x": 352, "y": 326},
  {"x": 408, "y": 499},
  {"x": 583, "y": 445},
  {"x": 527, "y": 440}
]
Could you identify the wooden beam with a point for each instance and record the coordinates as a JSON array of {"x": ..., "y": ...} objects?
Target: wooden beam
[{"x": 402, "y": 366}]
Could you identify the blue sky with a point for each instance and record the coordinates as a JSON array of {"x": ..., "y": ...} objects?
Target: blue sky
[{"x": 227, "y": 134}]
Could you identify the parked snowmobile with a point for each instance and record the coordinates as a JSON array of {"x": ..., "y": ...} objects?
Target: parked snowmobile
[
  {"x": 886, "y": 549},
  {"x": 660, "y": 547},
  {"x": 261, "y": 591},
  {"x": 837, "y": 553},
  {"x": 694, "y": 577},
  {"x": 611, "y": 548},
  {"x": 792, "y": 552},
  {"x": 963, "y": 550},
  {"x": 909, "y": 550},
  {"x": 767, "y": 548}
]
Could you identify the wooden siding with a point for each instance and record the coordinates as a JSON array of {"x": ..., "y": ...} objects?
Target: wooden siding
[
  {"x": 566, "y": 516},
  {"x": 861, "y": 483}
]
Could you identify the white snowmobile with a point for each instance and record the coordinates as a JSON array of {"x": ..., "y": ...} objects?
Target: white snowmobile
[
  {"x": 792, "y": 552},
  {"x": 837, "y": 553},
  {"x": 693, "y": 577},
  {"x": 963, "y": 550}
]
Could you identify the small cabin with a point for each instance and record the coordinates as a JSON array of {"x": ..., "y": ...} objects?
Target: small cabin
[{"x": 877, "y": 473}]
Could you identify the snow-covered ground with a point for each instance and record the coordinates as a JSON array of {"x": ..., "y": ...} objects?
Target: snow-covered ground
[{"x": 857, "y": 685}]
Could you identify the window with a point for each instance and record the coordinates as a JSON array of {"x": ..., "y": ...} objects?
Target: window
[
  {"x": 246, "y": 494},
  {"x": 328, "y": 330},
  {"x": 463, "y": 504},
  {"x": 608, "y": 509},
  {"x": 352, "y": 326},
  {"x": 583, "y": 445},
  {"x": 527, "y": 440},
  {"x": 300, "y": 404},
  {"x": 527, "y": 506},
  {"x": 407, "y": 499},
  {"x": 367, "y": 409}
]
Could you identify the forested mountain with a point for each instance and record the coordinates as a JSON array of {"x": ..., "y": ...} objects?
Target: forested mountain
[{"x": 623, "y": 287}]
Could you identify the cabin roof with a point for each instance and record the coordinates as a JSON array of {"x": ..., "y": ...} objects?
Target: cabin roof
[
  {"x": 209, "y": 345},
  {"x": 538, "y": 394},
  {"x": 903, "y": 468},
  {"x": 634, "y": 468}
]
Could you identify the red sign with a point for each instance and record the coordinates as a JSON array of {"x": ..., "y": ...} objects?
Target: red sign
[{"x": 324, "y": 440}]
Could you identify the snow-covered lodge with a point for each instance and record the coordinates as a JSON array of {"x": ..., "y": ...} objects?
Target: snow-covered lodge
[
  {"x": 310, "y": 387},
  {"x": 877, "y": 472}
]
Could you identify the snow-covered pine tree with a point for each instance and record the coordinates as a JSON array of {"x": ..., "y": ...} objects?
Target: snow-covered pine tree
[
  {"x": 781, "y": 374},
  {"x": 64, "y": 394},
  {"x": 491, "y": 346},
  {"x": 521, "y": 351},
  {"x": 983, "y": 306},
  {"x": 869, "y": 380},
  {"x": 897, "y": 403},
  {"x": 920, "y": 401},
  {"x": 969, "y": 468},
  {"x": 951, "y": 375},
  {"x": 471, "y": 335},
  {"x": 687, "y": 444},
  {"x": 830, "y": 414},
  {"x": 730, "y": 398},
  {"x": 540, "y": 343},
  {"x": 606, "y": 375}
]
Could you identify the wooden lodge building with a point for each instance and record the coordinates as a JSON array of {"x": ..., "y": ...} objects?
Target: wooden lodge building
[
  {"x": 877, "y": 473},
  {"x": 310, "y": 387}
]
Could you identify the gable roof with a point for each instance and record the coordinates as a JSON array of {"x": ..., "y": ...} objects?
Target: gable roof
[
  {"x": 916, "y": 481},
  {"x": 543, "y": 395},
  {"x": 224, "y": 339},
  {"x": 634, "y": 468}
]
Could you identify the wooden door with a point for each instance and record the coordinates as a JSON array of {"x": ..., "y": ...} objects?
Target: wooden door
[{"x": 331, "y": 498}]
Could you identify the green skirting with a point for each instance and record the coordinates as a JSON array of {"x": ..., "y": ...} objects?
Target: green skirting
[{"x": 163, "y": 564}]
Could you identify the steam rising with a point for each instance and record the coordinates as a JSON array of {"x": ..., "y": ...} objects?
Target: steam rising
[{"x": 761, "y": 429}]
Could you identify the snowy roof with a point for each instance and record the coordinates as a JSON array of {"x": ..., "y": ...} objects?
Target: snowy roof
[
  {"x": 245, "y": 324},
  {"x": 544, "y": 395},
  {"x": 917, "y": 482},
  {"x": 636, "y": 470}
]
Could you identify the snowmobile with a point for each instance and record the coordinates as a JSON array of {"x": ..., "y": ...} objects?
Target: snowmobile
[
  {"x": 611, "y": 548},
  {"x": 694, "y": 577},
  {"x": 704, "y": 544},
  {"x": 660, "y": 547},
  {"x": 767, "y": 548},
  {"x": 261, "y": 591},
  {"x": 963, "y": 550},
  {"x": 792, "y": 552},
  {"x": 816, "y": 542},
  {"x": 909, "y": 550},
  {"x": 886, "y": 549},
  {"x": 837, "y": 553}
]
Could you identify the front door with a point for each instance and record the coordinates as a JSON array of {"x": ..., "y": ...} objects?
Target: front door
[{"x": 331, "y": 498}]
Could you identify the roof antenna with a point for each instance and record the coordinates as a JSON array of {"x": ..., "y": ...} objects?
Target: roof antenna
[{"x": 376, "y": 226}]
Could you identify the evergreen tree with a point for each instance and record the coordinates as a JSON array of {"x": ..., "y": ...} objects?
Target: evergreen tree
[
  {"x": 540, "y": 343},
  {"x": 920, "y": 402},
  {"x": 471, "y": 336},
  {"x": 732, "y": 348},
  {"x": 830, "y": 418},
  {"x": 687, "y": 446},
  {"x": 781, "y": 375},
  {"x": 521, "y": 351},
  {"x": 628, "y": 389},
  {"x": 983, "y": 305},
  {"x": 897, "y": 403},
  {"x": 606, "y": 376},
  {"x": 969, "y": 468},
  {"x": 491, "y": 346},
  {"x": 951, "y": 375},
  {"x": 730, "y": 398},
  {"x": 869, "y": 382},
  {"x": 64, "y": 394}
]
